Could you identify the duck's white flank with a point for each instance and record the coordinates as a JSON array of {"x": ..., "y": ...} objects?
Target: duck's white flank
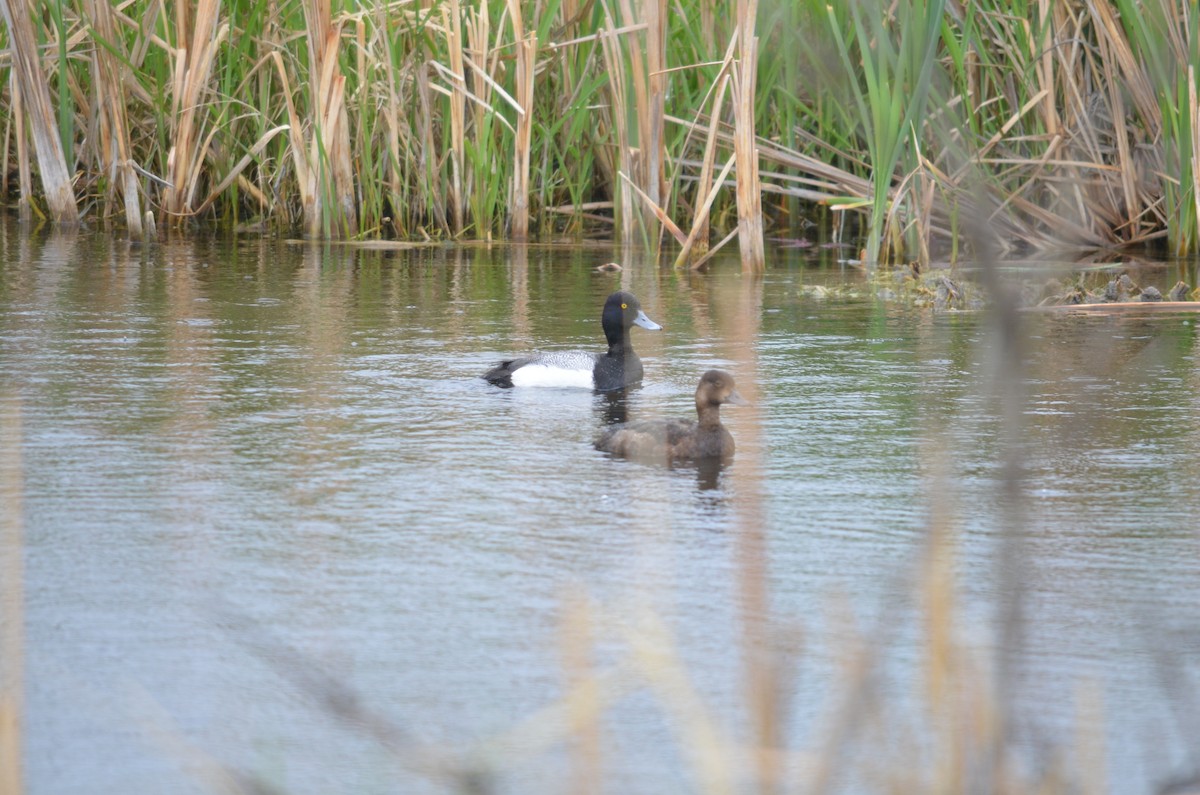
[
  {"x": 557, "y": 368},
  {"x": 544, "y": 375}
]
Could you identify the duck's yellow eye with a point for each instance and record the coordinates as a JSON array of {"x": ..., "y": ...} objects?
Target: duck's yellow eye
[{"x": 624, "y": 306}]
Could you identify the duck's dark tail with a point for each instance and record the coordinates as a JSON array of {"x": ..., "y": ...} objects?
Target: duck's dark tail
[{"x": 501, "y": 374}]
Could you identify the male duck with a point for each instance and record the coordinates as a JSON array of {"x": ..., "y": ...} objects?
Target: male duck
[
  {"x": 603, "y": 372},
  {"x": 679, "y": 440}
]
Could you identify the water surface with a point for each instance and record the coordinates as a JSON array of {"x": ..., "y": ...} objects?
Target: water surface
[{"x": 248, "y": 466}]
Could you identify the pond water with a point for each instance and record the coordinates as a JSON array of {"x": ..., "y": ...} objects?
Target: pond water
[{"x": 275, "y": 526}]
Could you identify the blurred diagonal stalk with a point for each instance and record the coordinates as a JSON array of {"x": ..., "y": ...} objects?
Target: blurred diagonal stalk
[
  {"x": 12, "y": 597},
  {"x": 1007, "y": 378}
]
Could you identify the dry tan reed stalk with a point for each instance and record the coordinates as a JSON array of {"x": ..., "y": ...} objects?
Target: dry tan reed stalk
[
  {"x": 618, "y": 109},
  {"x": 526, "y": 59},
  {"x": 304, "y": 182},
  {"x": 652, "y": 140},
  {"x": 525, "y": 70},
  {"x": 427, "y": 151},
  {"x": 329, "y": 151},
  {"x": 568, "y": 13},
  {"x": 4, "y": 152},
  {"x": 393, "y": 119},
  {"x": 749, "y": 192},
  {"x": 1194, "y": 110},
  {"x": 647, "y": 76},
  {"x": 114, "y": 151},
  {"x": 324, "y": 176},
  {"x": 708, "y": 24},
  {"x": 479, "y": 56},
  {"x": 658, "y": 211},
  {"x": 1044, "y": 67},
  {"x": 236, "y": 172},
  {"x": 1135, "y": 80},
  {"x": 12, "y": 600},
  {"x": 1125, "y": 162},
  {"x": 24, "y": 171},
  {"x": 698, "y": 237},
  {"x": 192, "y": 67},
  {"x": 452, "y": 22},
  {"x": 700, "y": 226},
  {"x": 701, "y": 262},
  {"x": 52, "y": 165}
]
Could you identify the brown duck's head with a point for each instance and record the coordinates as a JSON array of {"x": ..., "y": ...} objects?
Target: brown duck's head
[{"x": 717, "y": 387}]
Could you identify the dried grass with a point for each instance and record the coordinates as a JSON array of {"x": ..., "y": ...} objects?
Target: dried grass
[
  {"x": 55, "y": 175},
  {"x": 1069, "y": 124},
  {"x": 113, "y": 147},
  {"x": 749, "y": 190},
  {"x": 192, "y": 69}
]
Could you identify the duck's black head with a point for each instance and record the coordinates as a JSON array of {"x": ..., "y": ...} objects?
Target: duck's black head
[
  {"x": 621, "y": 312},
  {"x": 717, "y": 387}
]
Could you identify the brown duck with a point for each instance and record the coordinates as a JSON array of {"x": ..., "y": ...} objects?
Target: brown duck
[{"x": 678, "y": 440}]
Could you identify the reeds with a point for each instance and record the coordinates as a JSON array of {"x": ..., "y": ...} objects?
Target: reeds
[
  {"x": 113, "y": 145},
  {"x": 1155, "y": 50},
  {"x": 192, "y": 60},
  {"x": 526, "y": 65},
  {"x": 896, "y": 52},
  {"x": 35, "y": 94},
  {"x": 1063, "y": 123},
  {"x": 749, "y": 191}
]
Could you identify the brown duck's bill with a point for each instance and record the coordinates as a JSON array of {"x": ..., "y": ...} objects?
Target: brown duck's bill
[{"x": 736, "y": 399}]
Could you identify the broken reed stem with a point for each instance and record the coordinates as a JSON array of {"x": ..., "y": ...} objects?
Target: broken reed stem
[
  {"x": 698, "y": 237},
  {"x": 699, "y": 233},
  {"x": 749, "y": 190},
  {"x": 43, "y": 126}
]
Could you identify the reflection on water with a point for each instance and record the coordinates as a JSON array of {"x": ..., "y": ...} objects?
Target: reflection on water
[{"x": 297, "y": 438}]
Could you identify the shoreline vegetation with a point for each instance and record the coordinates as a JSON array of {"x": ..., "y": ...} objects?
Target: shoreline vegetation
[{"x": 932, "y": 128}]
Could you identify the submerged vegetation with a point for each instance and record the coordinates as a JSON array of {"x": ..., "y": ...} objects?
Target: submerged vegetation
[{"x": 1003, "y": 125}]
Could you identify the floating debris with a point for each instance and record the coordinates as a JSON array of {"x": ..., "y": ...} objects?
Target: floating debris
[
  {"x": 1179, "y": 292},
  {"x": 948, "y": 295}
]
